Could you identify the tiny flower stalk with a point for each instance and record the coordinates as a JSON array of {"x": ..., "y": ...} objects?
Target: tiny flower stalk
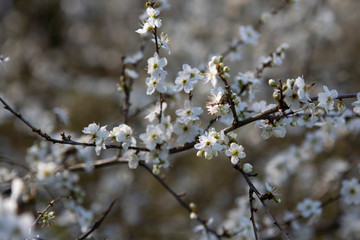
[{"x": 223, "y": 72}]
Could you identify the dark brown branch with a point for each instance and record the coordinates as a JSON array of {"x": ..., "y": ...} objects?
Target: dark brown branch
[
  {"x": 262, "y": 115},
  {"x": 180, "y": 200},
  {"x": 97, "y": 223},
  {"x": 229, "y": 98},
  {"x": 252, "y": 212},
  {"x": 64, "y": 139},
  {"x": 261, "y": 198}
]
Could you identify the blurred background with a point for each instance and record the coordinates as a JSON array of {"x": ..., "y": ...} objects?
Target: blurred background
[{"x": 67, "y": 54}]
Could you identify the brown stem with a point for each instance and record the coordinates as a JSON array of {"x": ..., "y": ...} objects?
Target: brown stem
[
  {"x": 261, "y": 198},
  {"x": 97, "y": 223},
  {"x": 252, "y": 212}
]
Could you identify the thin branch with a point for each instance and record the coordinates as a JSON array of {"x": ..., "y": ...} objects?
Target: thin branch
[
  {"x": 96, "y": 164},
  {"x": 64, "y": 139},
  {"x": 97, "y": 223},
  {"x": 180, "y": 200},
  {"x": 41, "y": 214},
  {"x": 14, "y": 163},
  {"x": 252, "y": 212},
  {"x": 260, "y": 22},
  {"x": 229, "y": 98},
  {"x": 323, "y": 204},
  {"x": 260, "y": 197},
  {"x": 262, "y": 115}
]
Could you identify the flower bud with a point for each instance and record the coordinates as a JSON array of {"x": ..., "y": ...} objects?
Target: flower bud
[
  {"x": 156, "y": 170},
  {"x": 226, "y": 69},
  {"x": 272, "y": 83},
  {"x": 193, "y": 216},
  {"x": 214, "y": 60},
  {"x": 277, "y": 96},
  {"x": 208, "y": 155},
  {"x": 200, "y": 153},
  {"x": 277, "y": 199},
  {"x": 247, "y": 168},
  {"x": 192, "y": 205},
  {"x": 221, "y": 58},
  {"x": 265, "y": 17},
  {"x": 341, "y": 106}
]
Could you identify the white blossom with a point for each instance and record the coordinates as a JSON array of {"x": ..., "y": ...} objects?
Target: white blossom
[
  {"x": 187, "y": 78},
  {"x": 350, "y": 191},
  {"x": 153, "y": 136},
  {"x": 189, "y": 113},
  {"x": 248, "y": 35},
  {"x": 326, "y": 99},
  {"x": 235, "y": 152},
  {"x": 309, "y": 207},
  {"x": 123, "y": 134},
  {"x": 209, "y": 145},
  {"x": 356, "y": 104}
]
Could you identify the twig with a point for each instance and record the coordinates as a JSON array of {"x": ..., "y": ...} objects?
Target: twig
[
  {"x": 41, "y": 214},
  {"x": 260, "y": 197},
  {"x": 229, "y": 99},
  {"x": 262, "y": 115},
  {"x": 14, "y": 163},
  {"x": 96, "y": 164},
  {"x": 98, "y": 221},
  {"x": 252, "y": 211},
  {"x": 179, "y": 199},
  {"x": 260, "y": 22},
  {"x": 65, "y": 139}
]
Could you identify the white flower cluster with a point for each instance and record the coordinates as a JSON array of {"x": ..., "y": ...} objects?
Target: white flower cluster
[
  {"x": 249, "y": 35},
  {"x": 156, "y": 81},
  {"x": 187, "y": 78},
  {"x": 151, "y": 21},
  {"x": 99, "y": 136},
  {"x": 212, "y": 143},
  {"x": 296, "y": 96},
  {"x": 276, "y": 58},
  {"x": 275, "y": 127}
]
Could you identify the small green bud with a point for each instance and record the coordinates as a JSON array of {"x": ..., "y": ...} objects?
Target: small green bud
[
  {"x": 277, "y": 199},
  {"x": 292, "y": 82},
  {"x": 272, "y": 83},
  {"x": 277, "y": 96},
  {"x": 208, "y": 155},
  {"x": 284, "y": 87},
  {"x": 341, "y": 106},
  {"x": 221, "y": 58},
  {"x": 200, "y": 153},
  {"x": 156, "y": 170},
  {"x": 214, "y": 60},
  {"x": 226, "y": 69}
]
